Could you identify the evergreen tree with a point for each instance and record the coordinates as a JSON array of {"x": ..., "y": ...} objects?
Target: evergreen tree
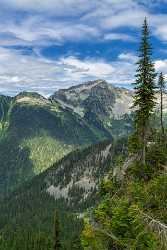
[
  {"x": 161, "y": 85},
  {"x": 57, "y": 243},
  {"x": 144, "y": 98}
]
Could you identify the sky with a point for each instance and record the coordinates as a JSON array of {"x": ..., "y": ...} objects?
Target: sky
[{"x": 46, "y": 45}]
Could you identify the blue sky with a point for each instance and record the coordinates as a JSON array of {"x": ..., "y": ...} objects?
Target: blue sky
[{"x": 52, "y": 44}]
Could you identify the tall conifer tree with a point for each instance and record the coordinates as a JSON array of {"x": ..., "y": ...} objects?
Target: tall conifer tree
[
  {"x": 144, "y": 98},
  {"x": 57, "y": 243},
  {"x": 161, "y": 85}
]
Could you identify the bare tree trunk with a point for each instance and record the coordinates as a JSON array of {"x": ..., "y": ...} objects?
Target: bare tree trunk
[
  {"x": 144, "y": 146},
  {"x": 144, "y": 153},
  {"x": 162, "y": 126}
]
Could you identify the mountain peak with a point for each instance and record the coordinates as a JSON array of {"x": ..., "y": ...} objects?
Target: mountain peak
[
  {"x": 86, "y": 86},
  {"x": 97, "y": 96},
  {"x": 28, "y": 94},
  {"x": 32, "y": 98}
]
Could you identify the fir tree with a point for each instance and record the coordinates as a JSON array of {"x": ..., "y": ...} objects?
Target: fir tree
[
  {"x": 57, "y": 243},
  {"x": 161, "y": 85},
  {"x": 144, "y": 98}
]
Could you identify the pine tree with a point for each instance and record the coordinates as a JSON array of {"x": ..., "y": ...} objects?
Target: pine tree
[
  {"x": 144, "y": 98},
  {"x": 57, "y": 243},
  {"x": 161, "y": 85}
]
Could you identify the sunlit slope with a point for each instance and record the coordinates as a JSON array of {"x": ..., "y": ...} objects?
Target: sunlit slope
[{"x": 37, "y": 133}]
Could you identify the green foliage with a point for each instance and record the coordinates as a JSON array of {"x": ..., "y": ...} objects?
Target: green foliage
[
  {"x": 92, "y": 240},
  {"x": 134, "y": 143},
  {"x": 145, "y": 241},
  {"x": 144, "y": 98},
  {"x": 123, "y": 217},
  {"x": 161, "y": 82},
  {"x": 139, "y": 171},
  {"x": 107, "y": 186},
  {"x": 156, "y": 158},
  {"x": 19, "y": 240},
  {"x": 44, "y": 151},
  {"x": 119, "y": 219}
]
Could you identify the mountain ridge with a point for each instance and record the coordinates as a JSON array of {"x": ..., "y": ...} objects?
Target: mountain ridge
[{"x": 36, "y": 131}]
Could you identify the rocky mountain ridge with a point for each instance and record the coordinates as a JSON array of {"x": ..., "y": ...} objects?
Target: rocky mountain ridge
[
  {"x": 104, "y": 98},
  {"x": 118, "y": 99}
]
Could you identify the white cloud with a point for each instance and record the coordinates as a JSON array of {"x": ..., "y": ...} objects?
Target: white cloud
[
  {"x": 87, "y": 67},
  {"x": 119, "y": 36},
  {"x": 161, "y": 31},
  {"x": 70, "y": 20},
  {"x": 161, "y": 65},
  {"x": 63, "y": 7},
  {"x": 34, "y": 73},
  {"x": 22, "y": 72},
  {"x": 128, "y": 57},
  {"x": 127, "y": 18},
  {"x": 19, "y": 72},
  {"x": 54, "y": 22},
  {"x": 38, "y": 31}
]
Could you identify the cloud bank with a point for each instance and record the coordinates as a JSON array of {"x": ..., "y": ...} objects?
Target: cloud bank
[{"x": 40, "y": 24}]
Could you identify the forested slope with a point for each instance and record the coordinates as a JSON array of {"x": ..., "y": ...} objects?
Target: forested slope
[{"x": 69, "y": 186}]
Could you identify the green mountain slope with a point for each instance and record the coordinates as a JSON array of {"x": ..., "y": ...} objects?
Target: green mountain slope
[
  {"x": 69, "y": 185},
  {"x": 36, "y": 133}
]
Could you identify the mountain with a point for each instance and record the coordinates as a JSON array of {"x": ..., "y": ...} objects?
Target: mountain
[
  {"x": 35, "y": 133},
  {"x": 104, "y": 105},
  {"x": 70, "y": 186},
  {"x": 100, "y": 103},
  {"x": 104, "y": 97}
]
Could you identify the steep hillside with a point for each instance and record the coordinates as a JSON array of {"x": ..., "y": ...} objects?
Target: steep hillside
[
  {"x": 37, "y": 133},
  {"x": 69, "y": 185},
  {"x": 132, "y": 213}
]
